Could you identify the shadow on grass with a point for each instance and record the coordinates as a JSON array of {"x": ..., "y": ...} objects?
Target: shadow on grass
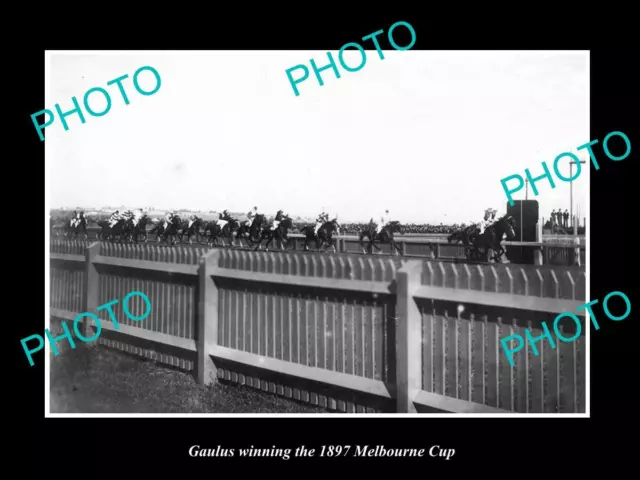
[{"x": 101, "y": 380}]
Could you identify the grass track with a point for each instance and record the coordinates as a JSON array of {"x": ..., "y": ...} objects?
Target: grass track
[{"x": 101, "y": 380}]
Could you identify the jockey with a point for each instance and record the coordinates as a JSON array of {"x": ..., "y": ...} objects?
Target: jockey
[
  {"x": 192, "y": 218},
  {"x": 384, "y": 219},
  {"x": 114, "y": 218},
  {"x": 276, "y": 221},
  {"x": 74, "y": 219},
  {"x": 489, "y": 214},
  {"x": 322, "y": 219},
  {"x": 136, "y": 216},
  {"x": 224, "y": 218},
  {"x": 127, "y": 215},
  {"x": 251, "y": 216}
]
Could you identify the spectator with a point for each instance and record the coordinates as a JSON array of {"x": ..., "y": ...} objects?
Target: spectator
[{"x": 566, "y": 218}]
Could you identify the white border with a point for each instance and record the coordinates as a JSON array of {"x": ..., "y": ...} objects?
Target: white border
[{"x": 47, "y": 191}]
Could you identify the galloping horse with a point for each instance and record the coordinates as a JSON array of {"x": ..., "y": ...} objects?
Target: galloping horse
[
  {"x": 167, "y": 232},
  {"x": 216, "y": 232},
  {"x": 253, "y": 232},
  {"x": 492, "y": 238},
  {"x": 191, "y": 227},
  {"x": 70, "y": 231},
  {"x": 324, "y": 236},
  {"x": 140, "y": 229},
  {"x": 280, "y": 234},
  {"x": 120, "y": 229},
  {"x": 385, "y": 236}
]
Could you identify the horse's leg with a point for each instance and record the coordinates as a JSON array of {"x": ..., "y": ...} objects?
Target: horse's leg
[
  {"x": 395, "y": 247},
  {"x": 333, "y": 245},
  {"x": 362, "y": 244}
]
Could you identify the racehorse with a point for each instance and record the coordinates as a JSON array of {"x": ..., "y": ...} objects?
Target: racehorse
[
  {"x": 167, "y": 232},
  {"x": 134, "y": 231},
  {"x": 491, "y": 239},
  {"x": 70, "y": 230},
  {"x": 253, "y": 232},
  {"x": 324, "y": 236},
  {"x": 216, "y": 232},
  {"x": 193, "y": 229},
  {"x": 120, "y": 229},
  {"x": 280, "y": 234},
  {"x": 385, "y": 236}
]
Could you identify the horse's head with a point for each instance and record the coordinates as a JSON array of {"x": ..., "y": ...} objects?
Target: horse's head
[
  {"x": 286, "y": 223},
  {"x": 336, "y": 224},
  {"x": 506, "y": 225}
]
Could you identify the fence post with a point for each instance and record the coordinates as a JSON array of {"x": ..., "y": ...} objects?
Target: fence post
[
  {"x": 408, "y": 337},
  {"x": 576, "y": 243},
  {"x": 207, "y": 332},
  {"x": 537, "y": 251},
  {"x": 91, "y": 286}
]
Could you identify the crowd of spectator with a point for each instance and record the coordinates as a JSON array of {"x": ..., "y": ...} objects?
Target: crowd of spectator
[{"x": 355, "y": 228}]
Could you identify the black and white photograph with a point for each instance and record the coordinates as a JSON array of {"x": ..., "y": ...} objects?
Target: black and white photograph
[{"x": 227, "y": 238}]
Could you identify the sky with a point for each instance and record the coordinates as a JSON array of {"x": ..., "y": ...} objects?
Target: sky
[{"x": 425, "y": 134}]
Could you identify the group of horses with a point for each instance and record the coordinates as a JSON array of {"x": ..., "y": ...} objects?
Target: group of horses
[
  {"x": 233, "y": 231},
  {"x": 259, "y": 231}
]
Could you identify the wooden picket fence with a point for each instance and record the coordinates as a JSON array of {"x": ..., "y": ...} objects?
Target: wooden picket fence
[{"x": 347, "y": 332}]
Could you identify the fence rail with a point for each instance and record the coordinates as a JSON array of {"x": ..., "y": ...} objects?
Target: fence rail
[{"x": 348, "y": 333}]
